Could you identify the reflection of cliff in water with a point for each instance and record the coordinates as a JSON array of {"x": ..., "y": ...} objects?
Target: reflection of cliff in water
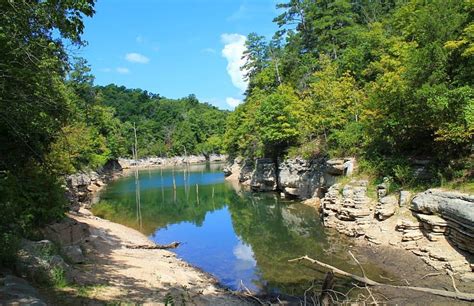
[{"x": 231, "y": 233}]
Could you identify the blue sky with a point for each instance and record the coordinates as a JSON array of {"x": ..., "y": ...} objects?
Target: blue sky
[{"x": 175, "y": 47}]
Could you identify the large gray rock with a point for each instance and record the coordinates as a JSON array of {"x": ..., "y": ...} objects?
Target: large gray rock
[
  {"x": 37, "y": 260},
  {"x": 386, "y": 207},
  {"x": 301, "y": 178},
  {"x": 456, "y": 208},
  {"x": 74, "y": 253},
  {"x": 17, "y": 291},
  {"x": 453, "y": 205},
  {"x": 347, "y": 209},
  {"x": 264, "y": 176},
  {"x": 78, "y": 180},
  {"x": 66, "y": 232}
]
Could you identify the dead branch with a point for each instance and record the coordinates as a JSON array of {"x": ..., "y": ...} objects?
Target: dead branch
[
  {"x": 172, "y": 245},
  {"x": 431, "y": 274},
  {"x": 450, "y": 294},
  {"x": 452, "y": 278},
  {"x": 363, "y": 273},
  {"x": 387, "y": 278},
  {"x": 249, "y": 293}
]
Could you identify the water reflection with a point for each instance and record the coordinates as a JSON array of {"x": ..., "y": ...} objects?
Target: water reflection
[{"x": 233, "y": 234}]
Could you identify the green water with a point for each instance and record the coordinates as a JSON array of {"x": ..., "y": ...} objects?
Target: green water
[{"x": 238, "y": 236}]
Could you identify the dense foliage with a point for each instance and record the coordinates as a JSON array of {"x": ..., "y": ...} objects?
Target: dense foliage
[
  {"x": 388, "y": 81},
  {"x": 54, "y": 121},
  {"x": 34, "y": 107},
  {"x": 166, "y": 127}
]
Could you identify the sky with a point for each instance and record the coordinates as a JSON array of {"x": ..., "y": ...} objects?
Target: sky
[{"x": 176, "y": 47}]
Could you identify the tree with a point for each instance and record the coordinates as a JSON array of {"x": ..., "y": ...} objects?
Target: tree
[{"x": 34, "y": 107}]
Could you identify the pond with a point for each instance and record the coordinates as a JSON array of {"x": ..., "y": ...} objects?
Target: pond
[{"x": 240, "y": 237}]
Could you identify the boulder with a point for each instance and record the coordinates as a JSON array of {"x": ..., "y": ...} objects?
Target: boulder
[
  {"x": 17, "y": 291},
  {"x": 335, "y": 166},
  {"x": 382, "y": 190},
  {"x": 453, "y": 205},
  {"x": 111, "y": 167},
  {"x": 386, "y": 207},
  {"x": 227, "y": 171},
  {"x": 448, "y": 213},
  {"x": 37, "y": 260},
  {"x": 348, "y": 209},
  {"x": 66, "y": 232},
  {"x": 78, "y": 180},
  {"x": 217, "y": 158},
  {"x": 74, "y": 254}
]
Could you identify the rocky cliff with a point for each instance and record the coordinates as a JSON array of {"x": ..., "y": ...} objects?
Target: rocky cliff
[
  {"x": 293, "y": 177},
  {"x": 82, "y": 185},
  {"x": 436, "y": 225}
]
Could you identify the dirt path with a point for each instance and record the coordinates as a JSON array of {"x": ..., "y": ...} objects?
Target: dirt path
[{"x": 120, "y": 274}]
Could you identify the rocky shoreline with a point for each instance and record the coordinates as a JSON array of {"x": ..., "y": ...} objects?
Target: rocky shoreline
[
  {"x": 96, "y": 253},
  {"x": 436, "y": 225}
]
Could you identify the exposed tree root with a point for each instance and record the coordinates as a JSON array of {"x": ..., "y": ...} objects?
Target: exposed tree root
[
  {"x": 172, "y": 245},
  {"x": 457, "y": 295}
]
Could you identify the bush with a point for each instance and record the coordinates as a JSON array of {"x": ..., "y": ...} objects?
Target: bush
[{"x": 29, "y": 198}]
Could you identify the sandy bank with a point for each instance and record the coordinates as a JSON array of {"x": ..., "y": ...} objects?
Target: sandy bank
[{"x": 121, "y": 274}]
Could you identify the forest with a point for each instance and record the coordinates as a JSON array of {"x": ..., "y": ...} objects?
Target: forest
[
  {"x": 54, "y": 121},
  {"x": 386, "y": 81}
]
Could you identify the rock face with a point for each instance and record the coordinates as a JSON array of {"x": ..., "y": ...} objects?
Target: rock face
[
  {"x": 246, "y": 172},
  {"x": 447, "y": 213},
  {"x": 301, "y": 178},
  {"x": 294, "y": 177},
  {"x": 264, "y": 177}
]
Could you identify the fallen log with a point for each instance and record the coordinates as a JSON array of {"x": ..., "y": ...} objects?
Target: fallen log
[
  {"x": 172, "y": 245},
  {"x": 451, "y": 294}
]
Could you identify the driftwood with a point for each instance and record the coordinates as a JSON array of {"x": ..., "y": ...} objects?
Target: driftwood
[
  {"x": 451, "y": 294},
  {"x": 172, "y": 245}
]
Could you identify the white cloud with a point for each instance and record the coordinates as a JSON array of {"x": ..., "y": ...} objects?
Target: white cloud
[
  {"x": 244, "y": 252},
  {"x": 233, "y": 51},
  {"x": 105, "y": 69},
  {"x": 233, "y": 101},
  {"x": 137, "y": 58},
  {"x": 122, "y": 70}
]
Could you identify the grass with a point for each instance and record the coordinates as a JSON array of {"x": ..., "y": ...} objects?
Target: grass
[
  {"x": 462, "y": 186},
  {"x": 371, "y": 183},
  {"x": 88, "y": 291},
  {"x": 58, "y": 277}
]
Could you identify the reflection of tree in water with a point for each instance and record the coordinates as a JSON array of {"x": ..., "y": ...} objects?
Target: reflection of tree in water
[
  {"x": 162, "y": 206},
  {"x": 270, "y": 229},
  {"x": 279, "y": 230}
]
